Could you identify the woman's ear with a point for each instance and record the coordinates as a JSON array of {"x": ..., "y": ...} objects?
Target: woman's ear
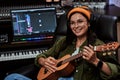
[{"x": 88, "y": 24}]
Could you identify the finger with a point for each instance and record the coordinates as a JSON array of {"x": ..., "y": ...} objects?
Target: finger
[
  {"x": 50, "y": 61},
  {"x": 85, "y": 57},
  {"x": 91, "y": 46},
  {"x": 89, "y": 49},
  {"x": 53, "y": 59},
  {"x": 50, "y": 66},
  {"x": 85, "y": 52}
]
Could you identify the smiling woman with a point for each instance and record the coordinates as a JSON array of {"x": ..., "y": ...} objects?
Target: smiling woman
[
  {"x": 79, "y": 40},
  {"x": 73, "y": 57}
]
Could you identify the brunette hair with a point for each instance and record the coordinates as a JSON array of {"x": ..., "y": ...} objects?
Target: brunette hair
[{"x": 91, "y": 36}]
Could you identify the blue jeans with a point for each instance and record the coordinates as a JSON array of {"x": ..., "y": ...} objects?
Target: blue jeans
[
  {"x": 16, "y": 76},
  {"x": 62, "y": 78}
]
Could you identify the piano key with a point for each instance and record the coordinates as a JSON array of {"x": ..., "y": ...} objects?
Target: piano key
[{"x": 20, "y": 54}]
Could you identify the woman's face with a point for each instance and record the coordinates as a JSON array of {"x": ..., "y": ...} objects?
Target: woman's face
[{"x": 79, "y": 24}]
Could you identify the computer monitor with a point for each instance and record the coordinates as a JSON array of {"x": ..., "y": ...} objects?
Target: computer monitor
[{"x": 30, "y": 25}]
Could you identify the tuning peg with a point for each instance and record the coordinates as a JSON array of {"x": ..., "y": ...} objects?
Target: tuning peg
[
  {"x": 109, "y": 53},
  {"x": 104, "y": 54}
]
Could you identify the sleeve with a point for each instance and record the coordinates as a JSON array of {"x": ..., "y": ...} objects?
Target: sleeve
[
  {"x": 110, "y": 58},
  {"x": 113, "y": 64},
  {"x": 54, "y": 50},
  {"x": 114, "y": 71}
]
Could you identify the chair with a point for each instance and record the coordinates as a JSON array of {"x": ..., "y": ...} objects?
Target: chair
[{"x": 104, "y": 26}]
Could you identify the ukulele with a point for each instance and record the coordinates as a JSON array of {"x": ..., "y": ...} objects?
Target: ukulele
[{"x": 65, "y": 67}]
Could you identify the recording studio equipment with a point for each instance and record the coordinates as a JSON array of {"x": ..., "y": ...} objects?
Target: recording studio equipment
[
  {"x": 35, "y": 24},
  {"x": 93, "y": 4},
  {"x": 21, "y": 54},
  {"x": 32, "y": 28},
  {"x": 5, "y": 32},
  {"x": 29, "y": 31}
]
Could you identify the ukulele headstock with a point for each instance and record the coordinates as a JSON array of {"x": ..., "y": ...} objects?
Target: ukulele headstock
[{"x": 107, "y": 47}]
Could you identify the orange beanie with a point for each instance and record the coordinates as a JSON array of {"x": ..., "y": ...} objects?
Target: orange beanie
[{"x": 82, "y": 9}]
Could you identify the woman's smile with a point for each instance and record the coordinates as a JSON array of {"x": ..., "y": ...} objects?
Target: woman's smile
[{"x": 77, "y": 29}]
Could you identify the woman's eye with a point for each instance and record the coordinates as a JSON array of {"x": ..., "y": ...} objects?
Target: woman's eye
[
  {"x": 80, "y": 21},
  {"x": 77, "y": 22},
  {"x": 71, "y": 23}
]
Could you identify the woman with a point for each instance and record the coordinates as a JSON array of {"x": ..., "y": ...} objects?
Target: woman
[{"x": 79, "y": 40}]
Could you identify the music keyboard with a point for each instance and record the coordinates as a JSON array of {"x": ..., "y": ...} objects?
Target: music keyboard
[{"x": 21, "y": 54}]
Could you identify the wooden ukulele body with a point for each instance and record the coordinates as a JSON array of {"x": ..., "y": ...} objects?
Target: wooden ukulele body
[
  {"x": 62, "y": 70},
  {"x": 65, "y": 67}
]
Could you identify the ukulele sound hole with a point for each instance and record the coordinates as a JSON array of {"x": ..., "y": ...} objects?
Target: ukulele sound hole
[
  {"x": 45, "y": 71},
  {"x": 59, "y": 64}
]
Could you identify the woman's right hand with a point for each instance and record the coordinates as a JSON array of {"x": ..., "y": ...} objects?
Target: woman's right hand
[{"x": 49, "y": 63}]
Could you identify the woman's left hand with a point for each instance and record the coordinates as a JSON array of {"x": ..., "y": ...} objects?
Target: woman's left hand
[{"x": 90, "y": 55}]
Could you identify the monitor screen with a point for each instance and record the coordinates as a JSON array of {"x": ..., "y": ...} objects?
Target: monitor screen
[{"x": 33, "y": 24}]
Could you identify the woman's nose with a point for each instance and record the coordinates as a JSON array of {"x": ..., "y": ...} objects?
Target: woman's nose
[{"x": 76, "y": 24}]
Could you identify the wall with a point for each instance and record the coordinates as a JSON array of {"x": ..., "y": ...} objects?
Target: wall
[{"x": 114, "y": 2}]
